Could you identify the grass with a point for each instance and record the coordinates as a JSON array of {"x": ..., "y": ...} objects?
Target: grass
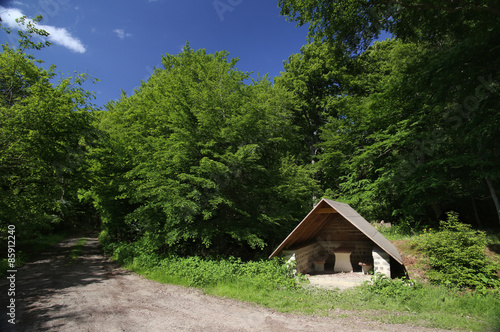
[
  {"x": 386, "y": 301},
  {"x": 76, "y": 251},
  {"x": 32, "y": 247},
  {"x": 428, "y": 306}
]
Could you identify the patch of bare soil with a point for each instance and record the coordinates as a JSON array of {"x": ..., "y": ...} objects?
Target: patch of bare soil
[
  {"x": 412, "y": 260},
  {"x": 339, "y": 281},
  {"x": 93, "y": 294}
]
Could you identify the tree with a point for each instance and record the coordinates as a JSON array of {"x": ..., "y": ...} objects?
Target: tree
[
  {"x": 206, "y": 161},
  {"x": 358, "y": 23},
  {"x": 317, "y": 78},
  {"x": 384, "y": 142},
  {"x": 44, "y": 130},
  {"x": 452, "y": 91}
]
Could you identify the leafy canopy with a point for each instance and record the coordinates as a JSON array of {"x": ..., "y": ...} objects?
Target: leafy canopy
[
  {"x": 44, "y": 129},
  {"x": 357, "y": 23},
  {"x": 205, "y": 159}
]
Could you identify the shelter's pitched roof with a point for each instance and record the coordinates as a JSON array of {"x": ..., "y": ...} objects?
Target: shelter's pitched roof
[{"x": 313, "y": 223}]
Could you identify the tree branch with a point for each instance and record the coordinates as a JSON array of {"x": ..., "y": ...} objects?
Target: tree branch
[{"x": 424, "y": 6}]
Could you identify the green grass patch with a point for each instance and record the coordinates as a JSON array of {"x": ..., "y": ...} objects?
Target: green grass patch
[
  {"x": 270, "y": 284},
  {"x": 401, "y": 232},
  {"x": 420, "y": 305},
  {"x": 76, "y": 251}
]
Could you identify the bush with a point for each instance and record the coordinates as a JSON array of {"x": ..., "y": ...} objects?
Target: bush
[
  {"x": 105, "y": 240},
  {"x": 124, "y": 253},
  {"x": 198, "y": 272},
  {"x": 456, "y": 256},
  {"x": 401, "y": 289},
  {"x": 264, "y": 273}
]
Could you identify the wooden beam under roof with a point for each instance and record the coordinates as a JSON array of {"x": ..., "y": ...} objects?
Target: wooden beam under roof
[{"x": 326, "y": 210}]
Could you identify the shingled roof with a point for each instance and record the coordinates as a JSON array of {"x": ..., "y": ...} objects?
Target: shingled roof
[{"x": 309, "y": 228}]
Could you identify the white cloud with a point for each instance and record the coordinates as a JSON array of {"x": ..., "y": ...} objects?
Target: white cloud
[
  {"x": 9, "y": 16},
  {"x": 121, "y": 33},
  {"x": 59, "y": 36},
  {"x": 62, "y": 37}
]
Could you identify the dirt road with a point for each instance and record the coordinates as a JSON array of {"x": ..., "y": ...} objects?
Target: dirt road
[{"x": 93, "y": 294}]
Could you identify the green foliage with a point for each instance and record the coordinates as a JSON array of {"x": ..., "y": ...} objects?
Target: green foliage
[
  {"x": 45, "y": 129},
  {"x": 199, "y": 272},
  {"x": 29, "y": 31},
  {"x": 400, "y": 289},
  {"x": 357, "y": 23},
  {"x": 398, "y": 131},
  {"x": 404, "y": 229},
  {"x": 407, "y": 127},
  {"x": 206, "y": 272},
  {"x": 456, "y": 255},
  {"x": 105, "y": 241},
  {"x": 271, "y": 284},
  {"x": 26, "y": 249},
  {"x": 196, "y": 161},
  {"x": 4, "y": 266},
  {"x": 124, "y": 253},
  {"x": 404, "y": 301},
  {"x": 39, "y": 244}
]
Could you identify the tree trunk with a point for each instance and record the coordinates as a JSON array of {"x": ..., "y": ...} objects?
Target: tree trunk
[
  {"x": 314, "y": 196},
  {"x": 437, "y": 210},
  {"x": 494, "y": 196},
  {"x": 476, "y": 214}
]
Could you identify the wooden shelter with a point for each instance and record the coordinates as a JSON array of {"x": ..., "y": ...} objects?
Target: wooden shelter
[{"x": 334, "y": 237}]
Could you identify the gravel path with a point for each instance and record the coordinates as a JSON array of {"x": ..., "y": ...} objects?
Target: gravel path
[{"x": 93, "y": 294}]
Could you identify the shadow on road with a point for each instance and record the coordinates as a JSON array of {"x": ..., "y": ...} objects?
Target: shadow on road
[{"x": 49, "y": 275}]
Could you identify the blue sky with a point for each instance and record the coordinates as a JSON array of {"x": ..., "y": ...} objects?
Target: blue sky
[{"x": 121, "y": 42}]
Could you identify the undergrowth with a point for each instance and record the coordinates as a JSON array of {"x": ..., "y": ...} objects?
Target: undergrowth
[{"x": 204, "y": 272}]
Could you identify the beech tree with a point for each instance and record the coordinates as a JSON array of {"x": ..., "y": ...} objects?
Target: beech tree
[
  {"x": 386, "y": 141},
  {"x": 44, "y": 130},
  {"x": 442, "y": 100},
  {"x": 206, "y": 157},
  {"x": 357, "y": 24}
]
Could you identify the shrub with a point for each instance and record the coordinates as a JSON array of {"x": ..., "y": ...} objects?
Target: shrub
[
  {"x": 105, "y": 241},
  {"x": 198, "y": 272},
  {"x": 269, "y": 274},
  {"x": 401, "y": 289},
  {"x": 124, "y": 253},
  {"x": 456, "y": 256}
]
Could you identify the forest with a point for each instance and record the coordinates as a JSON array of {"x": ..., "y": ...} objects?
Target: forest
[{"x": 204, "y": 160}]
